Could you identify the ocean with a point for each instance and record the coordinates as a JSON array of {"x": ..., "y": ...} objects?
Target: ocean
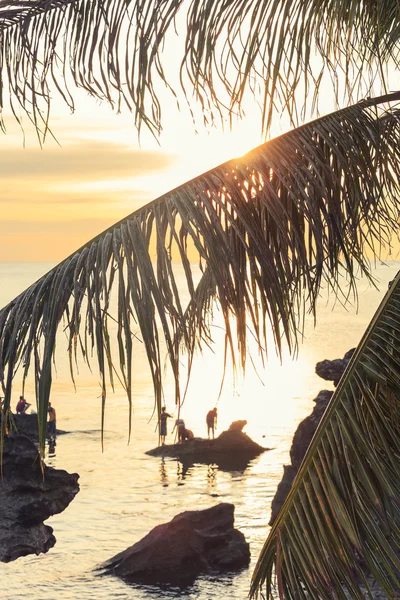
[{"x": 124, "y": 493}]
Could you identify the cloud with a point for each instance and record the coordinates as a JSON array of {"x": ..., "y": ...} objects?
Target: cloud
[
  {"x": 83, "y": 160},
  {"x": 53, "y": 196},
  {"x": 91, "y": 226}
]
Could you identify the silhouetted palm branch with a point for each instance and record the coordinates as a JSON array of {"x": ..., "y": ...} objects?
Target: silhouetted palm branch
[
  {"x": 115, "y": 50},
  {"x": 269, "y": 227},
  {"x": 339, "y": 527}
]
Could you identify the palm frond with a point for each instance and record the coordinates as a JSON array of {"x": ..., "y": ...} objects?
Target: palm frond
[
  {"x": 268, "y": 228},
  {"x": 115, "y": 50},
  {"x": 339, "y": 529}
]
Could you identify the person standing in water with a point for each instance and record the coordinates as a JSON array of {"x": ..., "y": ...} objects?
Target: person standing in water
[
  {"x": 211, "y": 420},
  {"x": 163, "y": 424}
]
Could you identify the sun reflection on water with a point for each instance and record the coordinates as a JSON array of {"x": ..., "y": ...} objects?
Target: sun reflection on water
[{"x": 263, "y": 397}]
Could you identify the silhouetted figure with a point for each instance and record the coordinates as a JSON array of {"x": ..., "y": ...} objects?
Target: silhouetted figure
[
  {"x": 22, "y": 406},
  {"x": 188, "y": 434},
  {"x": 211, "y": 420},
  {"x": 163, "y": 424},
  {"x": 180, "y": 426}
]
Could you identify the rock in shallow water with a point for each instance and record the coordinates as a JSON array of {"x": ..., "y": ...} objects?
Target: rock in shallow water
[
  {"x": 194, "y": 542},
  {"x": 28, "y": 497},
  {"x": 231, "y": 450}
]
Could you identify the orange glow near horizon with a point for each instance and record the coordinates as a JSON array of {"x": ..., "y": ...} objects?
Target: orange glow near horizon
[{"x": 56, "y": 199}]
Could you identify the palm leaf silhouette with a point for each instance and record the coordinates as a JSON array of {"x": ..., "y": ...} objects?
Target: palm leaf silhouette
[
  {"x": 115, "y": 50},
  {"x": 338, "y": 530},
  {"x": 269, "y": 228}
]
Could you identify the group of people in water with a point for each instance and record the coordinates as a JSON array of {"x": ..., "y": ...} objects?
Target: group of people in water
[{"x": 183, "y": 432}]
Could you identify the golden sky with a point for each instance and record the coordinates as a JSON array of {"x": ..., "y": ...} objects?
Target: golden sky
[{"x": 56, "y": 198}]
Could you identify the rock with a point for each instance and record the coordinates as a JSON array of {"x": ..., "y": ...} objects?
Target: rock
[
  {"x": 327, "y": 369},
  {"x": 231, "y": 450},
  {"x": 28, "y": 497},
  {"x": 28, "y": 425},
  {"x": 306, "y": 429},
  {"x": 237, "y": 425},
  {"x": 283, "y": 489},
  {"x": 332, "y": 370},
  {"x": 194, "y": 542},
  {"x": 301, "y": 440}
]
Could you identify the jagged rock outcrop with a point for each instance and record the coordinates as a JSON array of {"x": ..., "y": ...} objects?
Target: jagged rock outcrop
[
  {"x": 306, "y": 429},
  {"x": 301, "y": 441},
  {"x": 332, "y": 370},
  {"x": 231, "y": 450},
  {"x": 194, "y": 542},
  {"x": 282, "y": 491},
  {"x": 28, "y": 497}
]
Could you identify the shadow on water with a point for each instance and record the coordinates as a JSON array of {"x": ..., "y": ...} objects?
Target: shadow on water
[
  {"x": 186, "y": 468},
  {"x": 185, "y": 589}
]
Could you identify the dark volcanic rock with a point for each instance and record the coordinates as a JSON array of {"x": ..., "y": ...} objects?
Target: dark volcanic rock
[
  {"x": 282, "y": 491},
  {"x": 307, "y": 428},
  {"x": 28, "y": 497},
  {"x": 231, "y": 450},
  {"x": 194, "y": 542},
  {"x": 332, "y": 370},
  {"x": 28, "y": 425},
  {"x": 301, "y": 441}
]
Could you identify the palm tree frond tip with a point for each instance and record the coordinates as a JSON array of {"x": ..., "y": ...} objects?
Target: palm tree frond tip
[
  {"x": 115, "y": 50},
  {"x": 338, "y": 534}
]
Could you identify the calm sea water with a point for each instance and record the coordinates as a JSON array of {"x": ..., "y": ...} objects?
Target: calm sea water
[{"x": 125, "y": 493}]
